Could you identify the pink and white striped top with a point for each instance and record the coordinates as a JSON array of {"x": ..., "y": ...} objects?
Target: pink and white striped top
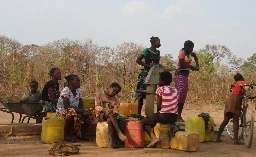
[{"x": 169, "y": 99}]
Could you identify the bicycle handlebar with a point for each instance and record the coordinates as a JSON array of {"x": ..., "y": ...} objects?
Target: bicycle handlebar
[
  {"x": 251, "y": 97},
  {"x": 248, "y": 85}
]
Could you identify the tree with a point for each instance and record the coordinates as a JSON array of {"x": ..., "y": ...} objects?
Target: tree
[{"x": 249, "y": 66}]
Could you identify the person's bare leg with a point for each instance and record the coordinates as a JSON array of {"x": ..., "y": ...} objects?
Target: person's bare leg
[
  {"x": 236, "y": 128},
  {"x": 111, "y": 134},
  {"x": 140, "y": 105},
  {"x": 180, "y": 108},
  {"x": 113, "y": 120},
  {"x": 68, "y": 129},
  {"x": 222, "y": 126},
  {"x": 154, "y": 139}
]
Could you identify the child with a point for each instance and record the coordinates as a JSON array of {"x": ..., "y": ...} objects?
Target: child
[
  {"x": 181, "y": 76},
  {"x": 33, "y": 96},
  {"x": 107, "y": 108},
  {"x": 70, "y": 106},
  {"x": 167, "y": 109},
  {"x": 233, "y": 108}
]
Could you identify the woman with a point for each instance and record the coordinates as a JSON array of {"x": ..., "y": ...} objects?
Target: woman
[
  {"x": 151, "y": 56},
  {"x": 181, "y": 75},
  {"x": 107, "y": 108},
  {"x": 51, "y": 93},
  {"x": 70, "y": 106}
]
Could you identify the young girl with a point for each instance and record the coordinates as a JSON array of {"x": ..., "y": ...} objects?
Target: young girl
[
  {"x": 233, "y": 108},
  {"x": 70, "y": 106},
  {"x": 150, "y": 55},
  {"x": 181, "y": 76},
  {"x": 106, "y": 108},
  {"x": 51, "y": 93},
  {"x": 167, "y": 108}
]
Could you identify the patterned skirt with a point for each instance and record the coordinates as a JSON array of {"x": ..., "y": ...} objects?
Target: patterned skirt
[
  {"x": 78, "y": 118},
  {"x": 141, "y": 79},
  {"x": 48, "y": 107},
  {"x": 181, "y": 83},
  {"x": 140, "y": 85}
]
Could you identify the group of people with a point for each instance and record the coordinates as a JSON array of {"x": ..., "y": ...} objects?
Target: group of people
[
  {"x": 151, "y": 57},
  {"x": 170, "y": 100}
]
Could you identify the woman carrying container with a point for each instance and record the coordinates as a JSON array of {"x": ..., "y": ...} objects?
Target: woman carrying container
[{"x": 181, "y": 75}]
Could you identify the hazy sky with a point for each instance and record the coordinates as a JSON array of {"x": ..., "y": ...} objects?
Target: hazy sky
[{"x": 112, "y": 22}]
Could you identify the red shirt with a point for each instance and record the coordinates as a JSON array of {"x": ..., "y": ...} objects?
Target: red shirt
[
  {"x": 187, "y": 58},
  {"x": 236, "y": 89}
]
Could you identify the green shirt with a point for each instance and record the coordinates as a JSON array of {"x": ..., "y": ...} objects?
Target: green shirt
[
  {"x": 145, "y": 52},
  {"x": 31, "y": 97}
]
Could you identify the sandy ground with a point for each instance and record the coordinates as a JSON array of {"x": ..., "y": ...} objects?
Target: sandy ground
[{"x": 31, "y": 146}]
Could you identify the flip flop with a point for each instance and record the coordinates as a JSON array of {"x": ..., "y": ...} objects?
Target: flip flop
[{"x": 153, "y": 144}]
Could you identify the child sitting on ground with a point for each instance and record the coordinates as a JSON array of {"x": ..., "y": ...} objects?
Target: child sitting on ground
[
  {"x": 233, "y": 108},
  {"x": 107, "y": 108},
  {"x": 33, "y": 96},
  {"x": 167, "y": 109}
]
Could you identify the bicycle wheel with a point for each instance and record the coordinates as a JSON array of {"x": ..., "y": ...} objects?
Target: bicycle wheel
[
  {"x": 229, "y": 129},
  {"x": 248, "y": 124}
]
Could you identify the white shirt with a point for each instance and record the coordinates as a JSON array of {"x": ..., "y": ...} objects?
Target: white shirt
[{"x": 73, "y": 100}]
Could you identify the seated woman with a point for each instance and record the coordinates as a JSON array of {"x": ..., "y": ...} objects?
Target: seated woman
[
  {"x": 51, "y": 93},
  {"x": 34, "y": 96},
  {"x": 70, "y": 106},
  {"x": 167, "y": 108},
  {"x": 107, "y": 108}
]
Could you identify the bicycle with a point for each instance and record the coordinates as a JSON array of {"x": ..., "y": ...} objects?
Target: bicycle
[{"x": 246, "y": 117}]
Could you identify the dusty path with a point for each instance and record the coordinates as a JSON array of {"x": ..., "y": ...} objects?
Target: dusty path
[{"x": 31, "y": 146}]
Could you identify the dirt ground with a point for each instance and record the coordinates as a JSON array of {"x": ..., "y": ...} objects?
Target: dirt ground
[{"x": 31, "y": 146}]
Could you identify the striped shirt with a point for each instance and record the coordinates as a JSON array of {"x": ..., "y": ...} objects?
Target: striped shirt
[{"x": 169, "y": 99}]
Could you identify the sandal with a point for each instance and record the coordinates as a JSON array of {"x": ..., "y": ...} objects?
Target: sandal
[{"x": 153, "y": 145}]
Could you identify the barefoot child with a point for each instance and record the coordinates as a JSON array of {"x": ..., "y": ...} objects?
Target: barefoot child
[
  {"x": 233, "y": 108},
  {"x": 107, "y": 108},
  {"x": 167, "y": 109},
  {"x": 181, "y": 76}
]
